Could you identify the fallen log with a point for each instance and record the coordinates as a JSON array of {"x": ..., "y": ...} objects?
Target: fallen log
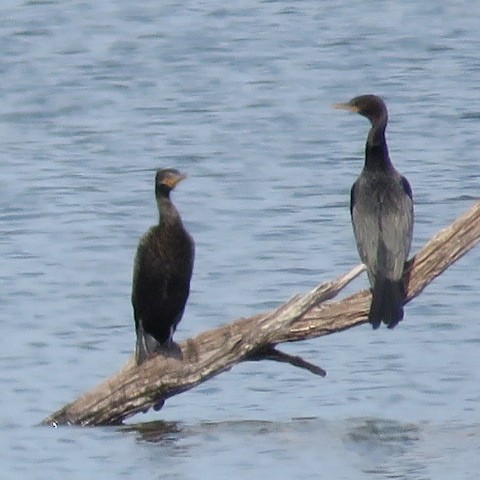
[{"x": 136, "y": 389}]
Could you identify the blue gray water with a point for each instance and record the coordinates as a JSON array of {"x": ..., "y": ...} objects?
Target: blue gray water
[{"x": 95, "y": 95}]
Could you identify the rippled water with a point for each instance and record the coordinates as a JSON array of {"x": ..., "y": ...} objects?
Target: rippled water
[{"x": 97, "y": 95}]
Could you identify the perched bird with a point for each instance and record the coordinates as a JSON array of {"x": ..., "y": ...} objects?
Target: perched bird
[
  {"x": 381, "y": 207},
  {"x": 162, "y": 272}
]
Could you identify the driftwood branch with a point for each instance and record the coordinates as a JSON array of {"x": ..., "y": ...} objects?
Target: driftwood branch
[{"x": 135, "y": 389}]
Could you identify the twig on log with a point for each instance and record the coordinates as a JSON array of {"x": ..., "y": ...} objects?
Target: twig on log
[
  {"x": 271, "y": 353},
  {"x": 134, "y": 389}
]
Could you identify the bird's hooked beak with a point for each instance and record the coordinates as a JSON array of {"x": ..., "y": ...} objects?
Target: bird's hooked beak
[
  {"x": 346, "y": 106},
  {"x": 173, "y": 180}
]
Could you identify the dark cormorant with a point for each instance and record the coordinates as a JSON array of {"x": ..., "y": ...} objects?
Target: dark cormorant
[
  {"x": 162, "y": 271},
  {"x": 381, "y": 207}
]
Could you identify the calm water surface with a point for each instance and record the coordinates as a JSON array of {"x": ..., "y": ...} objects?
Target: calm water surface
[{"x": 96, "y": 95}]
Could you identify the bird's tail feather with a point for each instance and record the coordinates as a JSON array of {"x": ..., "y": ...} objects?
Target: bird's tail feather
[
  {"x": 387, "y": 303},
  {"x": 146, "y": 345}
]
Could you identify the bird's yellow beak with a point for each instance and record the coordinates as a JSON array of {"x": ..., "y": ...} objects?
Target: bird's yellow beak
[
  {"x": 345, "y": 106},
  {"x": 173, "y": 180}
]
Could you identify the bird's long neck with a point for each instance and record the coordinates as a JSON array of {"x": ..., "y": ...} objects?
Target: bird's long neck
[
  {"x": 167, "y": 213},
  {"x": 376, "y": 150}
]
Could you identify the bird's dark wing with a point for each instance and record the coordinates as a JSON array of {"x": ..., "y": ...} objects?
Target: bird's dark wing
[
  {"x": 161, "y": 283},
  {"x": 352, "y": 198},
  {"x": 396, "y": 227},
  {"x": 382, "y": 219},
  {"x": 364, "y": 214},
  {"x": 406, "y": 187}
]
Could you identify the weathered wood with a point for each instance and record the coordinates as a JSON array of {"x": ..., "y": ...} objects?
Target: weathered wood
[{"x": 134, "y": 389}]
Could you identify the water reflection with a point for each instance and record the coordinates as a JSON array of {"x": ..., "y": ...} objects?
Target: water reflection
[
  {"x": 374, "y": 446},
  {"x": 154, "y": 432},
  {"x": 387, "y": 448},
  {"x": 376, "y": 431}
]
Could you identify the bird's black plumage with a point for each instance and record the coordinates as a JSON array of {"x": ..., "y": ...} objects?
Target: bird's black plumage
[
  {"x": 162, "y": 272},
  {"x": 381, "y": 208}
]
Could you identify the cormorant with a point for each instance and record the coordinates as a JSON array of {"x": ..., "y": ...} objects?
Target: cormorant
[
  {"x": 381, "y": 208},
  {"x": 162, "y": 272}
]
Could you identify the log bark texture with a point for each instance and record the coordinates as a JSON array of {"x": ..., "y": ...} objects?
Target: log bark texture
[{"x": 135, "y": 389}]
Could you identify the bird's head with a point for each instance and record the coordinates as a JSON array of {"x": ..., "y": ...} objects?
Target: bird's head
[
  {"x": 369, "y": 106},
  {"x": 166, "y": 180}
]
